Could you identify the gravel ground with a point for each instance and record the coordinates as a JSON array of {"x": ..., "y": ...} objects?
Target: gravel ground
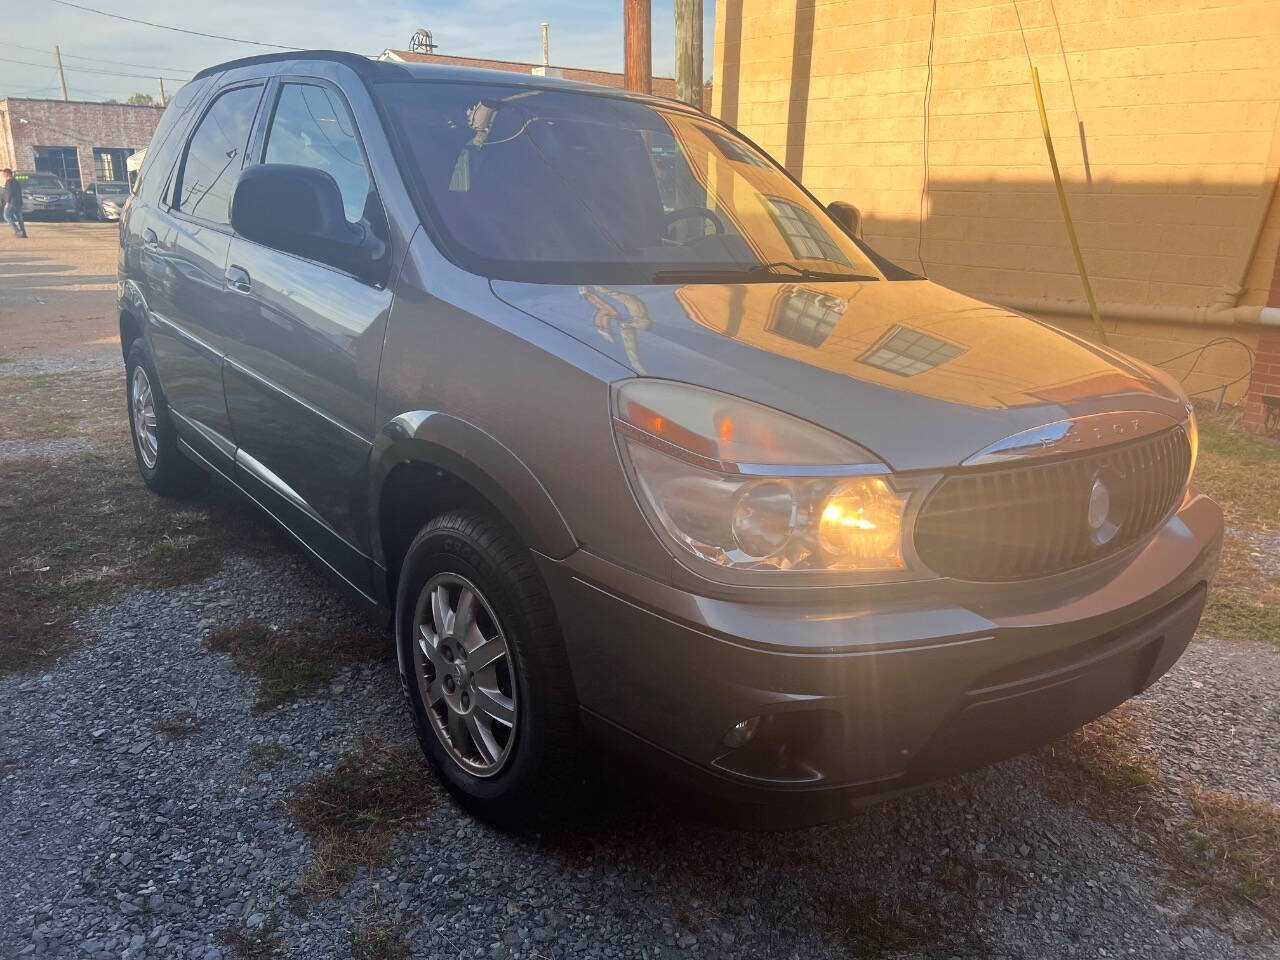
[
  {"x": 1216, "y": 716},
  {"x": 115, "y": 842}
]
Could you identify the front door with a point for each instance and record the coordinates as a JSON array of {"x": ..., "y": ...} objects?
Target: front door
[
  {"x": 186, "y": 240},
  {"x": 301, "y": 374}
]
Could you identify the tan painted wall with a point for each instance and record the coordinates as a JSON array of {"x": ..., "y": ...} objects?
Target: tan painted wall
[{"x": 1164, "y": 115}]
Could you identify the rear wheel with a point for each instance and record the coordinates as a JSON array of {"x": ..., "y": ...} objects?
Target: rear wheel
[
  {"x": 163, "y": 466},
  {"x": 485, "y": 672}
]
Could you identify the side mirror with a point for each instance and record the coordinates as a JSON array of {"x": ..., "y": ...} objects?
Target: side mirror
[
  {"x": 299, "y": 210},
  {"x": 848, "y": 216}
]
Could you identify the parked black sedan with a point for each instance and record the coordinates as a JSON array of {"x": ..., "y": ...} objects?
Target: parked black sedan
[
  {"x": 46, "y": 196},
  {"x": 103, "y": 200}
]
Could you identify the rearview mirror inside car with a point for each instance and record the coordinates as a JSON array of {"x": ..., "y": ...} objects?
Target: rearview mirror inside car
[{"x": 848, "y": 216}]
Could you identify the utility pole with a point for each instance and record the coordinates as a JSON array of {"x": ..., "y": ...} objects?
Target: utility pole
[
  {"x": 163, "y": 101},
  {"x": 637, "y": 45},
  {"x": 62, "y": 78},
  {"x": 689, "y": 52}
]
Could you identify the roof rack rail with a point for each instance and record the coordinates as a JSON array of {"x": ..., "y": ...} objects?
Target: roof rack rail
[{"x": 365, "y": 66}]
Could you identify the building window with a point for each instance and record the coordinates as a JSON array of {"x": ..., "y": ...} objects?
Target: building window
[
  {"x": 109, "y": 163},
  {"x": 806, "y": 316},
  {"x": 62, "y": 162},
  {"x": 907, "y": 352},
  {"x": 803, "y": 233}
]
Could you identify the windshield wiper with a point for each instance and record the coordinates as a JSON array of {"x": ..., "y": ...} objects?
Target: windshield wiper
[{"x": 758, "y": 272}]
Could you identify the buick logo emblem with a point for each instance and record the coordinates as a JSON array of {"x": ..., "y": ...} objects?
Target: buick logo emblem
[{"x": 1101, "y": 527}]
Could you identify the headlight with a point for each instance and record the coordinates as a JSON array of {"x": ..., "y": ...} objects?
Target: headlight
[{"x": 746, "y": 487}]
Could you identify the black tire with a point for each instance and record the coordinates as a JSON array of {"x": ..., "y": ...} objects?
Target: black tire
[
  {"x": 173, "y": 474},
  {"x": 545, "y": 777}
]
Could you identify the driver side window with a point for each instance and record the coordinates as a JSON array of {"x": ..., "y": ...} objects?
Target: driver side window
[{"x": 312, "y": 128}]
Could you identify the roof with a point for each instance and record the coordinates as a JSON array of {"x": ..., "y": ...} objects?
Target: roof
[{"x": 662, "y": 86}]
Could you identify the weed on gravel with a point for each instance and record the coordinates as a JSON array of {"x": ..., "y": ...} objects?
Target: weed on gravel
[
  {"x": 295, "y": 659},
  {"x": 84, "y": 529},
  {"x": 1232, "y": 615},
  {"x": 51, "y": 406},
  {"x": 1225, "y": 848},
  {"x": 379, "y": 941},
  {"x": 176, "y": 726},
  {"x": 243, "y": 943},
  {"x": 351, "y": 813}
]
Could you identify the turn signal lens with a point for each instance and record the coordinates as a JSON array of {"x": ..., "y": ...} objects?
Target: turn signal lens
[{"x": 861, "y": 526}]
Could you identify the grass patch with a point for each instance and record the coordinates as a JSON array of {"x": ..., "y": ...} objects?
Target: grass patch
[
  {"x": 351, "y": 812},
  {"x": 380, "y": 941},
  {"x": 263, "y": 757},
  {"x": 295, "y": 659},
  {"x": 50, "y": 406},
  {"x": 176, "y": 726},
  {"x": 1240, "y": 470},
  {"x": 85, "y": 529},
  {"x": 1238, "y": 845},
  {"x": 245, "y": 944},
  {"x": 1225, "y": 848},
  {"x": 1231, "y": 615}
]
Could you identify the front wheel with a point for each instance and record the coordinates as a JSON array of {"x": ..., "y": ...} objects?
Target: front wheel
[{"x": 485, "y": 672}]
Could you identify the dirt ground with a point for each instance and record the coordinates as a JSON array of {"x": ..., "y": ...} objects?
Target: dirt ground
[
  {"x": 246, "y": 784},
  {"x": 57, "y": 289}
]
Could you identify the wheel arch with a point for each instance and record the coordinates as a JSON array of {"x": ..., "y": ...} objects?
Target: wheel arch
[
  {"x": 424, "y": 463},
  {"x": 133, "y": 312}
]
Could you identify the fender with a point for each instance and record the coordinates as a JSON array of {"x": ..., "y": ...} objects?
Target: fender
[
  {"x": 477, "y": 458},
  {"x": 129, "y": 299}
]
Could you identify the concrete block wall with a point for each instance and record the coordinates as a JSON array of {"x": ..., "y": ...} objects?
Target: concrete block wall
[
  {"x": 1164, "y": 116},
  {"x": 81, "y": 124}
]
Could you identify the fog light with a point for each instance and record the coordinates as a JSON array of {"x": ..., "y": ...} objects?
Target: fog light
[{"x": 740, "y": 734}]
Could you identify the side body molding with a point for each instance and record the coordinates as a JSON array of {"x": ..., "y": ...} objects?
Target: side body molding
[{"x": 451, "y": 444}]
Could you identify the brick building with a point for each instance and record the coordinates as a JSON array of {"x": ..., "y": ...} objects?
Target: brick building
[
  {"x": 1164, "y": 116},
  {"x": 662, "y": 86},
  {"x": 79, "y": 141}
]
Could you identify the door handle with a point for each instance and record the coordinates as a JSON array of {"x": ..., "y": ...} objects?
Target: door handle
[
  {"x": 237, "y": 279},
  {"x": 149, "y": 237}
]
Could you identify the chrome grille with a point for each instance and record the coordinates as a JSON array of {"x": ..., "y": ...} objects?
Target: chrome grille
[{"x": 1013, "y": 522}]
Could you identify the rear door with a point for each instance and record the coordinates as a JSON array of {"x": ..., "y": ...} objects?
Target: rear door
[
  {"x": 185, "y": 247},
  {"x": 301, "y": 373}
]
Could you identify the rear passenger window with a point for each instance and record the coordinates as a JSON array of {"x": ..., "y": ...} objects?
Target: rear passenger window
[
  {"x": 207, "y": 177},
  {"x": 312, "y": 128}
]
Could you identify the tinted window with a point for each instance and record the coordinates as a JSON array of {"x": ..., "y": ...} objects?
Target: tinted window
[
  {"x": 562, "y": 187},
  {"x": 311, "y": 128},
  {"x": 207, "y": 177}
]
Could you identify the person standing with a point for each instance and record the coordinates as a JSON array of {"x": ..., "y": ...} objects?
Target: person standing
[{"x": 11, "y": 200}]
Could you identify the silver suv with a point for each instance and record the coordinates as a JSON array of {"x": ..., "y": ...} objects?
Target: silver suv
[{"x": 652, "y": 455}]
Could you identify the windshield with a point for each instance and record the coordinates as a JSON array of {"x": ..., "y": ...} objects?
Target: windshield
[
  {"x": 113, "y": 188},
  {"x": 44, "y": 181},
  {"x": 564, "y": 187}
]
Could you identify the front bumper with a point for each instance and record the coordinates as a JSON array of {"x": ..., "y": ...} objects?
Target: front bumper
[
  {"x": 48, "y": 208},
  {"x": 881, "y": 692}
]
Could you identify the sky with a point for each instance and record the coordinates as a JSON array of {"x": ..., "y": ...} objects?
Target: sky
[{"x": 583, "y": 34}]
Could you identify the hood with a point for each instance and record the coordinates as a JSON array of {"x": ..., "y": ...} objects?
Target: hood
[{"x": 920, "y": 375}]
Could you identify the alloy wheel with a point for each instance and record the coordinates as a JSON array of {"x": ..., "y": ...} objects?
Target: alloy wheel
[
  {"x": 143, "y": 404},
  {"x": 466, "y": 674}
]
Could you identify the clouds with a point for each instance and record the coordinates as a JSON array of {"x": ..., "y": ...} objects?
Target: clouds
[{"x": 583, "y": 34}]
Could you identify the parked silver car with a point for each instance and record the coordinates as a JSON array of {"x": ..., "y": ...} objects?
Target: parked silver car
[
  {"x": 653, "y": 457},
  {"x": 103, "y": 200}
]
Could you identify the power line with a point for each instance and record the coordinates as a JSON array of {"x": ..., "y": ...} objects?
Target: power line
[
  {"x": 105, "y": 73},
  {"x": 165, "y": 26},
  {"x": 80, "y": 56}
]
